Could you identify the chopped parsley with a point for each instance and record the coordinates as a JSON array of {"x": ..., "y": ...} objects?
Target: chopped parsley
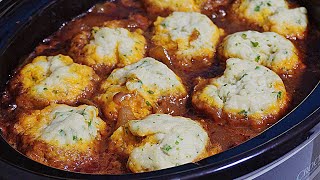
[
  {"x": 89, "y": 123},
  {"x": 268, "y": 3},
  {"x": 254, "y": 44},
  {"x": 177, "y": 142},
  {"x": 299, "y": 21},
  {"x": 45, "y": 89},
  {"x": 180, "y": 138},
  {"x": 148, "y": 103},
  {"x": 244, "y": 36},
  {"x": 244, "y": 112},
  {"x": 166, "y": 148},
  {"x": 150, "y": 92},
  {"x": 257, "y": 58},
  {"x": 82, "y": 112},
  {"x": 257, "y": 67},
  {"x": 61, "y": 132},
  {"x": 243, "y": 76},
  {"x": 257, "y": 8},
  {"x": 279, "y": 94},
  {"x": 75, "y": 138}
]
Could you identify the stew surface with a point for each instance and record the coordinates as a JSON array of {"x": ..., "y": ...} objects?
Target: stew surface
[{"x": 110, "y": 160}]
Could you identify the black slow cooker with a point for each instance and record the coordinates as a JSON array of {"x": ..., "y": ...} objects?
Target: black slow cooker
[{"x": 24, "y": 23}]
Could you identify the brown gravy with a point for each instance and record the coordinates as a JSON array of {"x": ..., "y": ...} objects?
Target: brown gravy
[{"x": 226, "y": 135}]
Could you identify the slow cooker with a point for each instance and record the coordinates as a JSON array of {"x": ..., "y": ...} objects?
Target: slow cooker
[{"x": 290, "y": 149}]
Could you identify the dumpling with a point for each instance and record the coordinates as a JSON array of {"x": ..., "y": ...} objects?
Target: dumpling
[
  {"x": 247, "y": 94},
  {"x": 189, "y": 39},
  {"x": 269, "y": 49},
  {"x": 54, "y": 79},
  {"x": 138, "y": 89},
  {"x": 60, "y": 135},
  {"x": 165, "y": 141}
]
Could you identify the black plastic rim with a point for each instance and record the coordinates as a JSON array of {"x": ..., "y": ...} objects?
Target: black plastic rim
[{"x": 293, "y": 129}]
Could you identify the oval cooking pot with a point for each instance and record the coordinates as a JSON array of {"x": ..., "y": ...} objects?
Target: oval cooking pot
[{"x": 25, "y": 23}]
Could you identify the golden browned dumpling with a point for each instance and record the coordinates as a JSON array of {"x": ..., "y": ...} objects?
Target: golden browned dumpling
[
  {"x": 161, "y": 141},
  {"x": 246, "y": 94},
  {"x": 108, "y": 47},
  {"x": 61, "y": 136},
  {"x": 161, "y": 6},
  {"x": 137, "y": 90},
  {"x": 268, "y": 49},
  {"x": 189, "y": 38},
  {"x": 274, "y": 15},
  {"x": 56, "y": 79}
]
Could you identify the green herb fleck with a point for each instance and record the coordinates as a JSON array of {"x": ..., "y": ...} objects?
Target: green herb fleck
[
  {"x": 83, "y": 112},
  {"x": 61, "y": 132},
  {"x": 45, "y": 89},
  {"x": 166, "y": 148},
  {"x": 148, "y": 103},
  {"x": 244, "y": 36},
  {"x": 75, "y": 138},
  {"x": 257, "y": 8},
  {"x": 55, "y": 91},
  {"x": 243, "y": 76},
  {"x": 150, "y": 92},
  {"x": 244, "y": 112},
  {"x": 257, "y": 58},
  {"x": 257, "y": 67},
  {"x": 254, "y": 44},
  {"x": 269, "y": 4},
  {"x": 180, "y": 138},
  {"x": 299, "y": 21},
  {"x": 279, "y": 94},
  {"x": 89, "y": 123},
  {"x": 177, "y": 142}
]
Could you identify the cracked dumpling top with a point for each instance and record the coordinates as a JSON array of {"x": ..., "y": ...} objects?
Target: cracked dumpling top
[
  {"x": 246, "y": 94},
  {"x": 108, "y": 47},
  {"x": 168, "y": 141},
  {"x": 139, "y": 87},
  {"x": 269, "y": 49},
  {"x": 188, "y": 38},
  {"x": 61, "y": 133},
  {"x": 274, "y": 15},
  {"x": 57, "y": 79}
]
